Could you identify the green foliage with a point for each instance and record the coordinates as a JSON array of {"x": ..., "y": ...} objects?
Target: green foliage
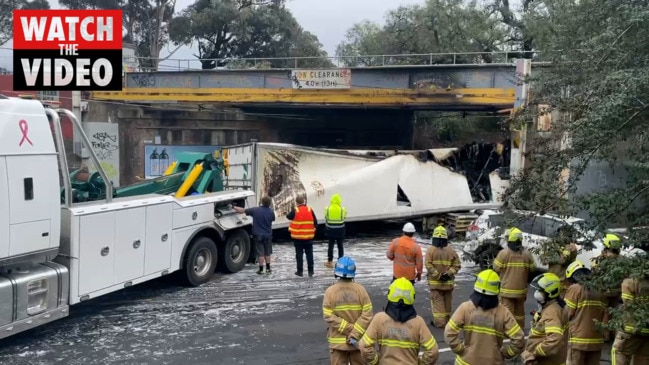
[
  {"x": 456, "y": 128},
  {"x": 145, "y": 23},
  {"x": 599, "y": 87},
  {"x": 227, "y": 30},
  {"x": 6, "y": 14}
]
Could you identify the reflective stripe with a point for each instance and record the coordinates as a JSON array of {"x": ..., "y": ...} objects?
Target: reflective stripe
[
  {"x": 513, "y": 291},
  {"x": 513, "y": 264},
  {"x": 441, "y": 315},
  {"x": 454, "y": 326},
  {"x": 342, "y": 326},
  {"x": 428, "y": 345},
  {"x": 554, "y": 329},
  {"x": 375, "y": 360},
  {"x": 337, "y": 340},
  {"x": 368, "y": 340},
  {"x": 627, "y": 296},
  {"x": 459, "y": 361},
  {"x": 586, "y": 341},
  {"x": 442, "y": 262},
  {"x": 435, "y": 282},
  {"x": 348, "y": 307},
  {"x": 359, "y": 328},
  {"x": 632, "y": 330},
  {"x": 514, "y": 330},
  {"x": 367, "y": 307},
  {"x": 327, "y": 311},
  {"x": 335, "y": 214},
  {"x": 540, "y": 351},
  {"x": 483, "y": 330},
  {"x": 398, "y": 343}
]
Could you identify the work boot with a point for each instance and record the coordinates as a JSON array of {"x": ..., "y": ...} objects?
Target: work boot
[
  {"x": 329, "y": 264},
  {"x": 310, "y": 273},
  {"x": 260, "y": 271},
  {"x": 269, "y": 271},
  {"x": 298, "y": 273}
]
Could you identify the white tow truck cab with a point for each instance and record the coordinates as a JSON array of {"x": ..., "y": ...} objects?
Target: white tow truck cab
[{"x": 55, "y": 254}]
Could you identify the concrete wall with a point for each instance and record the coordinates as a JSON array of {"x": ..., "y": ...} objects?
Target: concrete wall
[{"x": 319, "y": 128}]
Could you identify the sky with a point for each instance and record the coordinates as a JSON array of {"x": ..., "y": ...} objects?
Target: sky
[{"x": 327, "y": 19}]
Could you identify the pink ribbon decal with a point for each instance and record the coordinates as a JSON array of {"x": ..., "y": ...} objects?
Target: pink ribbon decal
[{"x": 24, "y": 129}]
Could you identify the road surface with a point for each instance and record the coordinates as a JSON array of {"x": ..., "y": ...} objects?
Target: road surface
[{"x": 243, "y": 318}]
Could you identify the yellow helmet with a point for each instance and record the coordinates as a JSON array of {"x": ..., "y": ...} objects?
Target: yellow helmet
[
  {"x": 612, "y": 241},
  {"x": 572, "y": 268},
  {"x": 402, "y": 289},
  {"x": 440, "y": 232},
  {"x": 487, "y": 283},
  {"x": 548, "y": 283},
  {"x": 515, "y": 234}
]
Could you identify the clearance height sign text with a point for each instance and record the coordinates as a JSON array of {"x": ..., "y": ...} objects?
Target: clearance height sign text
[{"x": 67, "y": 50}]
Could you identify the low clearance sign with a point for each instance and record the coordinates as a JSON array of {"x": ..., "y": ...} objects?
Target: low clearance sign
[{"x": 67, "y": 50}]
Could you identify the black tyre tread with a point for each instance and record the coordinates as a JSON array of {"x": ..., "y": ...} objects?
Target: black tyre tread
[
  {"x": 225, "y": 263},
  {"x": 197, "y": 243}
]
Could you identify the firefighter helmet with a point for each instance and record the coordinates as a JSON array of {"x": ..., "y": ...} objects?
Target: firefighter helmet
[
  {"x": 345, "y": 268},
  {"x": 402, "y": 289},
  {"x": 487, "y": 283},
  {"x": 515, "y": 234},
  {"x": 548, "y": 283},
  {"x": 573, "y": 268},
  {"x": 440, "y": 232},
  {"x": 612, "y": 241}
]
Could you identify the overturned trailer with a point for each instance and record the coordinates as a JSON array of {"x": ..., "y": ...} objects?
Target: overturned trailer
[{"x": 374, "y": 185}]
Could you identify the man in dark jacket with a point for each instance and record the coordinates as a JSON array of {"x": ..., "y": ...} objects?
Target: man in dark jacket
[{"x": 262, "y": 231}]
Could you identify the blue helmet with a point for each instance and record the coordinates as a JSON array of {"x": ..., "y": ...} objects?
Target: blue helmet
[{"x": 345, "y": 268}]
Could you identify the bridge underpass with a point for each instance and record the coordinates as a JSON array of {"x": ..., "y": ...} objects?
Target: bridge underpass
[{"x": 376, "y": 109}]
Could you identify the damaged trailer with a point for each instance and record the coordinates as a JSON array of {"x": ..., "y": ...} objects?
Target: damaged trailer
[{"x": 374, "y": 185}]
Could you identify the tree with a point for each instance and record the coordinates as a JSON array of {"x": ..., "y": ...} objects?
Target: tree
[
  {"x": 439, "y": 26},
  {"x": 233, "y": 29},
  {"x": 145, "y": 23},
  {"x": 598, "y": 88},
  {"x": 6, "y": 14}
]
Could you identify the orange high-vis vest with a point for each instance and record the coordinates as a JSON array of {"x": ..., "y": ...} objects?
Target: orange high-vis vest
[{"x": 302, "y": 227}]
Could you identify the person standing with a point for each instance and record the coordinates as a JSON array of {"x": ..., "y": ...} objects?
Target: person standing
[
  {"x": 442, "y": 263},
  {"x": 302, "y": 228},
  {"x": 547, "y": 343},
  {"x": 632, "y": 341},
  {"x": 611, "y": 251},
  {"x": 406, "y": 257},
  {"x": 585, "y": 308},
  {"x": 399, "y": 332},
  {"x": 262, "y": 231},
  {"x": 564, "y": 258},
  {"x": 347, "y": 309},
  {"x": 335, "y": 215},
  {"x": 514, "y": 264},
  {"x": 485, "y": 323}
]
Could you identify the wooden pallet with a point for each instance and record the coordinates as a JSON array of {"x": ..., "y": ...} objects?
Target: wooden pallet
[{"x": 460, "y": 222}]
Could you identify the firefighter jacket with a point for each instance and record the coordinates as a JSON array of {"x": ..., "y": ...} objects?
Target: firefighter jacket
[
  {"x": 303, "y": 223},
  {"x": 398, "y": 342},
  {"x": 566, "y": 257},
  {"x": 484, "y": 331},
  {"x": 548, "y": 339},
  {"x": 347, "y": 309},
  {"x": 406, "y": 256},
  {"x": 635, "y": 290},
  {"x": 441, "y": 260},
  {"x": 584, "y": 307},
  {"x": 514, "y": 269}
]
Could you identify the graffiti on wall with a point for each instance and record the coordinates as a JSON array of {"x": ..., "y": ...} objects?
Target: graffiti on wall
[{"x": 104, "y": 140}]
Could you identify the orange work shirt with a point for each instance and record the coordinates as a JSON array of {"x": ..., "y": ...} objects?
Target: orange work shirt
[{"x": 406, "y": 257}]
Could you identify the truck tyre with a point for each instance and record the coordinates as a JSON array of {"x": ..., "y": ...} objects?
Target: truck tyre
[
  {"x": 200, "y": 261},
  {"x": 235, "y": 251}
]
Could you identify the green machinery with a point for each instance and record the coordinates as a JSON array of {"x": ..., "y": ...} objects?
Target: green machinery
[{"x": 192, "y": 173}]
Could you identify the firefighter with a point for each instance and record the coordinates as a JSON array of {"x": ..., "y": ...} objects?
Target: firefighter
[
  {"x": 485, "y": 323},
  {"x": 514, "y": 264},
  {"x": 335, "y": 215},
  {"x": 406, "y": 257},
  {"x": 302, "y": 227},
  {"x": 612, "y": 245},
  {"x": 347, "y": 309},
  {"x": 566, "y": 257},
  {"x": 442, "y": 263},
  {"x": 632, "y": 342},
  {"x": 584, "y": 306},
  {"x": 399, "y": 332},
  {"x": 547, "y": 343}
]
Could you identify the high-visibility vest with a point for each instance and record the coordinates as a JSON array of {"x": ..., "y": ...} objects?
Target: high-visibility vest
[
  {"x": 302, "y": 227},
  {"x": 335, "y": 215}
]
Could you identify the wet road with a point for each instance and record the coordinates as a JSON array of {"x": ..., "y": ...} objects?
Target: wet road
[{"x": 243, "y": 318}]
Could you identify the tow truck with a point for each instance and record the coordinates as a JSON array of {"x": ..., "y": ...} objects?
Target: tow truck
[{"x": 69, "y": 237}]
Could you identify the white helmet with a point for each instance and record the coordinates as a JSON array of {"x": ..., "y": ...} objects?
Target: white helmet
[{"x": 409, "y": 228}]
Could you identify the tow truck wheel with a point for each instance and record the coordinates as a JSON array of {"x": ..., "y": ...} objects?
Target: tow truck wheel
[
  {"x": 235, "y": 251},
  {"x": 200, "y": 261}
]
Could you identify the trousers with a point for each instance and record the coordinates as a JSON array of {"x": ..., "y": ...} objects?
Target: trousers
[
  {"x": 302, "y": 248},
  {"x": 517, "y": 307},
  {"x": 627, "y": 347},
  {"x": 440, "y": 304},
  {"x": 578, "y": 357},
  {"x": 330, "y": 249},
  {"x": 340, "y": 357}
]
